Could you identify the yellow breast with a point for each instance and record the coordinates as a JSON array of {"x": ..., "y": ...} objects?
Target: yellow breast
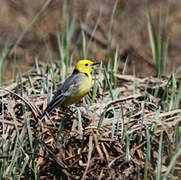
[{"x": 82, "y": 89}]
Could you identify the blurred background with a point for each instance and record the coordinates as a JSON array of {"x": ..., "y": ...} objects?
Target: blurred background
[{"x": 47, "y": 29}]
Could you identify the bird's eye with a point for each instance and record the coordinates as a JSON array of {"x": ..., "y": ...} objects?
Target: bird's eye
[{"x": 86, "y": 64}]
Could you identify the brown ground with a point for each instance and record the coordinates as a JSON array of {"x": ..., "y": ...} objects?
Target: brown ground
[
  {"x": 129, "y": 31},
  {"x": 90, "y": 152}
]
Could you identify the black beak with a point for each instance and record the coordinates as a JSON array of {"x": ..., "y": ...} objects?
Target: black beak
[{"x": 96, "y": 63}]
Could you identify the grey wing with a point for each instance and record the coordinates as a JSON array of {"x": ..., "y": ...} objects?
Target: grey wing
[
  {"x": 63, "y": 91},
  {"x": 66, "y": 88}
]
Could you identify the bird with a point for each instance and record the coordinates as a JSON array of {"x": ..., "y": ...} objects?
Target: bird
[{"x": 76, "y": 86}]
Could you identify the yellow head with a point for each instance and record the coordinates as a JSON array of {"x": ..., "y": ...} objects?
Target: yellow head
[{"x": 85, "y": 66}]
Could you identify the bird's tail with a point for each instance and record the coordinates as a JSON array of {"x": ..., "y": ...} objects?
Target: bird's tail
[
  {"x": 53, "y": 104},
  {"x": 43, "y": 115}
]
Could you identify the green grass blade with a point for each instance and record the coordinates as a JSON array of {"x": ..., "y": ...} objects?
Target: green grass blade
[
  {"x": 148, "y": 153},
  {"x": 113, "y": 122},
  {"x": 152, "y": 36},
  {"x": 159, "y": 161},
  {"x": 172, "y": 164},
  {"x": 84, "y": 46},
  {"x": 109, "y": 84},
  {"x": 37, "y": 66},
  {"x": 95, "y": 88},
  {"x": 128, "y": 138},
  {"x": 80, "y": 128},
  {"x": 25, "y": 162}
]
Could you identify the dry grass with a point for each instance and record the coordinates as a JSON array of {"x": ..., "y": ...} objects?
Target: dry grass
[{"x": 115, "y": 140}]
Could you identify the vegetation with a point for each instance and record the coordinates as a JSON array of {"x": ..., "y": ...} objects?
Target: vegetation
[{"x": 126, "y": 128}]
